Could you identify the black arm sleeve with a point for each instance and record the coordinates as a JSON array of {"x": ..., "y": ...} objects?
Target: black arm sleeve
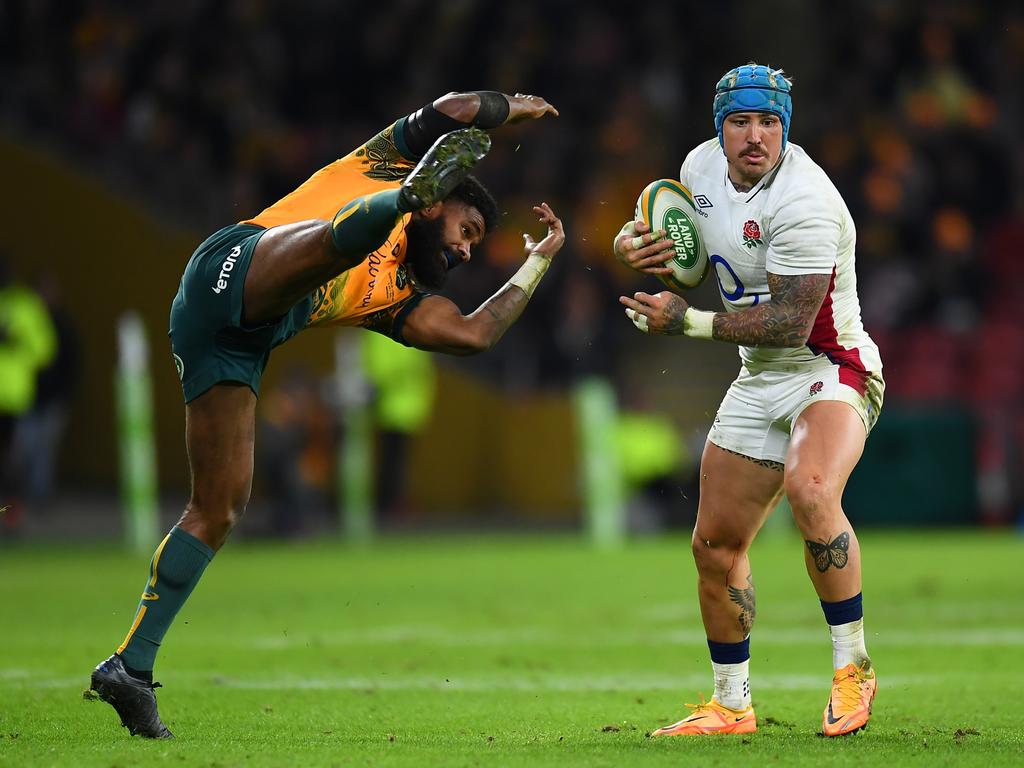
[{"x": 425, "y": 126}]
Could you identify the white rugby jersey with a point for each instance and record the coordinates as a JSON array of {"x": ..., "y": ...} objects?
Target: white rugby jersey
[{"x": 792, "y": 222}]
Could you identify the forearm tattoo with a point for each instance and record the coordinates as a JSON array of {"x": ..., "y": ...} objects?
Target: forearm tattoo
[
  {"x": 785, "y": 321},
  {"x": 778, "y": 466},
  {"x": 744, "y": 598},
  {"x": 502, "y": 310},
  {"x": 827, "y": 553}
]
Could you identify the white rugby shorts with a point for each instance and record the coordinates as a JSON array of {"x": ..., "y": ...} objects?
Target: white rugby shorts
[{"x": 756, "y": 416}]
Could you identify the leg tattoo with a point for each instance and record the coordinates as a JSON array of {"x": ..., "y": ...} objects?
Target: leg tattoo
[
  {"x": 778, "y": 466},
  {"x": 744, "y": 598},
  {"x": 828, "y": 553}
]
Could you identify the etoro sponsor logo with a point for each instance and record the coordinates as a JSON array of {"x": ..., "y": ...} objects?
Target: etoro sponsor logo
[
  {"x": 225, "y": 269},
  {"x": 684, "y": 237}
]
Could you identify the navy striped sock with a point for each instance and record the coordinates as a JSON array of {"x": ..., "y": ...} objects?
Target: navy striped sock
[
  {"x": 730, "y": 653},
  {"x": 844, "y": 611}
]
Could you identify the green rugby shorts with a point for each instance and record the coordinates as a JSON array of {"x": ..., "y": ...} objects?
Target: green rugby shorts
[{"x": 209, "y": 343}]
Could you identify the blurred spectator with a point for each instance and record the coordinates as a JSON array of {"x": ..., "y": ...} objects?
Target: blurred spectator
[
  {"x": 956, "y": 285},
  {"x": 27, "y": 343},
  {"x": 657, "y": 471},
  {"x": 296, "y": 453},
  {"x": 38, "y": 432},
  {"x": 403, "y": 381}
]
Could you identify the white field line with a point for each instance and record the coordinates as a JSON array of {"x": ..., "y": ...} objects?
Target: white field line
[
  {"x": 538, "y": 637},
  {"x": 442, "y": 637},
  {"x": 640, "y": 682},
  {"x": 956, "y": 610}
]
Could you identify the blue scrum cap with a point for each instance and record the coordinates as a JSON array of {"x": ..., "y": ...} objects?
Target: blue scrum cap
[{"x": 754, "y": 88}]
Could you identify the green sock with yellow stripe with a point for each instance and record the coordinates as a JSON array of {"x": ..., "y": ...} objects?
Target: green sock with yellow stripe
[
  {"x": 177, "y": 565},
  {"x": 363, "y": 224}
]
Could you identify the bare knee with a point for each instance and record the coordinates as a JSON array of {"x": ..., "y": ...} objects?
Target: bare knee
[
  {"x": 813, "y": 498},
  {"x": 211, "y": 523},
  {"x": 715, "y": 559}
]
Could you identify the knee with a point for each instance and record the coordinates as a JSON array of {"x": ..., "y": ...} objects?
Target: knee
[
  {"x": 714, "y": 559},
  {"x": 812, "y": 498},
  {"x": 212, "y": 523}
]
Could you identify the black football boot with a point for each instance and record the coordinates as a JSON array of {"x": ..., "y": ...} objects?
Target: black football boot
[{"x": 132, "y": 698}]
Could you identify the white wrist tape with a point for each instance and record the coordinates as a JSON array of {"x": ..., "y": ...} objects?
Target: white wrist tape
[
  {"x": 530, "y": 273},
  {"x": 698, "y": 324}
]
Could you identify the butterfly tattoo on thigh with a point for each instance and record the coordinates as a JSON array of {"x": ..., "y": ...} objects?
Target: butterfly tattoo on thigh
[{"x": 834, "y": 553}]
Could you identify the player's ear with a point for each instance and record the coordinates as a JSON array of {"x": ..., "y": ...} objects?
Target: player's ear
[{"x": 430, "y": 212}]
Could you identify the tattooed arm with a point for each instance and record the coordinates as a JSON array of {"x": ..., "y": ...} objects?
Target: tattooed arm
[
  {"x": 785, "y": 321},
  {"x": 437, "y": 324}
]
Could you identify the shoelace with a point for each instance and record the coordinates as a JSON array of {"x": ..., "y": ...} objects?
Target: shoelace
[
  {"x": 695, "y": 708},
  {"x": 848, "y": 690}
]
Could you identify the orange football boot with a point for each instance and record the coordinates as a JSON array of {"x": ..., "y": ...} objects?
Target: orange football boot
[
  {"x": 849, "y": 706},
  {"x": 711, "y": 718}
]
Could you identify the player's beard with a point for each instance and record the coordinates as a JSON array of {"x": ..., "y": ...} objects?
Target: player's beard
[{"x": 425, "y": 251}]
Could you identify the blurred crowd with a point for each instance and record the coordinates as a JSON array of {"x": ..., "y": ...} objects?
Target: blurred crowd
[
  {"x": 39, "y": 364},
  {"x": 210, "y": 110}
]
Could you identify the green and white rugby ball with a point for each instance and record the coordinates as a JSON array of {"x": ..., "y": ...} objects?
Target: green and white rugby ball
[{"x": 666, "y": 204}]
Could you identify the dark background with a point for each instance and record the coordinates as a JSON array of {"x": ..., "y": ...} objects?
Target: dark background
[{"x": 128, "y": 131}]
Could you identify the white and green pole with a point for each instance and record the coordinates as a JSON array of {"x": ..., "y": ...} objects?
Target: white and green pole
[
  {"x": 604, "y": 497},
  {"x": 134, "y": 394},
  {"x": 355, "y": 456}
]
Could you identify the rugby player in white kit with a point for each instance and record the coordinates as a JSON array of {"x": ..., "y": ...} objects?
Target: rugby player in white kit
[{"x": 781, "y": 244}]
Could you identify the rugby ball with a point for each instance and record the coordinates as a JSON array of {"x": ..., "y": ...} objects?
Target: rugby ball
[{"x": 666, "y": 204}]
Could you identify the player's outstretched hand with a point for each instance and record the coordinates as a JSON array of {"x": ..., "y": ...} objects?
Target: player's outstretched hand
[
  {"x": 523, "y": 106},
  {"x": 555, "y": 237},
  {"x": 660, "y": 314},
  {"x": 645, "y": 251}
]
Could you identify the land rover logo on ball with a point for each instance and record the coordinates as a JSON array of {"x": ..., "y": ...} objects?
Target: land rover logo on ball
[{"x": 684, "y": 236}]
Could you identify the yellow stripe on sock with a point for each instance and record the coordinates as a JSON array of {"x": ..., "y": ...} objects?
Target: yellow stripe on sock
[
  {"x": 135, "y": 625},
  {"x": 156, "y": 560},
  {"x": 152, "y": 583},
  {"x": 342, "y": 215}
]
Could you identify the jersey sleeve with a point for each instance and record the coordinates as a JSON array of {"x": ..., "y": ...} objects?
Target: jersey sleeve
[
  {"x": 804, "y": 234},
  {"x": 381, "y": 163},
  {"x": 386, "y": 157},
  {"x": 693, "y": 159},
  {"x": 391, "y": 320},
  {"x": 684, "y": 170}
]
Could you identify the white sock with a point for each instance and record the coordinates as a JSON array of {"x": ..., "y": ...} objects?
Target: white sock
[
  {"x": 732, "y": 684},
  {"x": 848, "y": 644}
]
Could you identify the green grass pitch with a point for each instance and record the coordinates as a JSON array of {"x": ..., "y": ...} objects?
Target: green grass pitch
[{"x": 512, "y": 651}]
